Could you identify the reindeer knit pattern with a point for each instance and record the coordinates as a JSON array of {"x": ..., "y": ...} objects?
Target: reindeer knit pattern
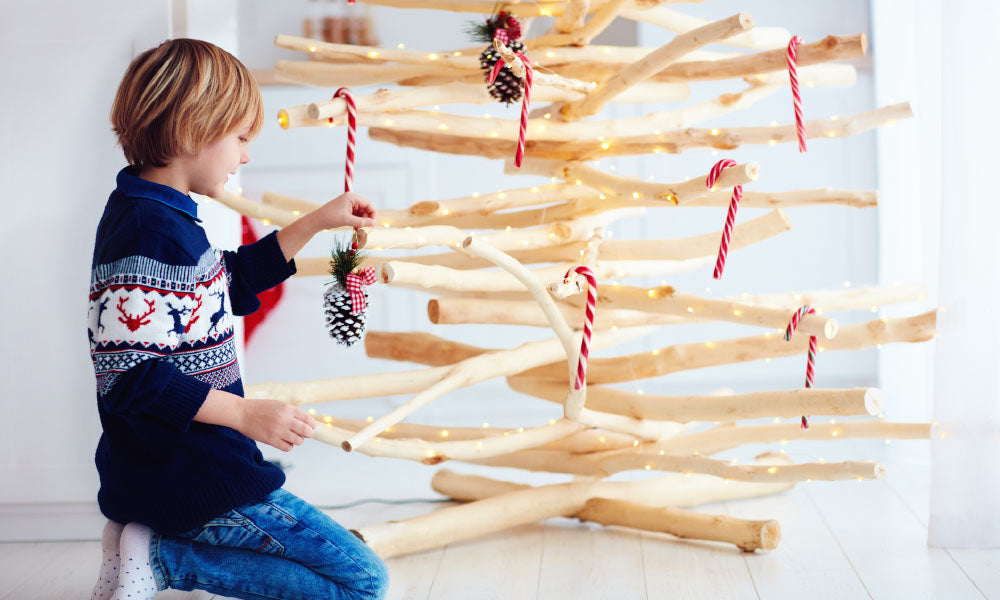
[{"x": 161, "y": 326}]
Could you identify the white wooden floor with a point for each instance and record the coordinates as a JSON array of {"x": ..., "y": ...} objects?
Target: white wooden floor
[{"x": 839, "y": 540}]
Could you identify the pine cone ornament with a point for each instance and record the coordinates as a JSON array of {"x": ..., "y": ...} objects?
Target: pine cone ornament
[
  {"x": 345, "y": 324},
  {"x": 345, "y": 327},
  {"x": 507, "y": 87}
]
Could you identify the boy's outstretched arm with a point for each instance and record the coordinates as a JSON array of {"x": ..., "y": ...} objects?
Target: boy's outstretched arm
[
  {"x": 272, "y": 422},
  {"x": 348, "y": 209}
]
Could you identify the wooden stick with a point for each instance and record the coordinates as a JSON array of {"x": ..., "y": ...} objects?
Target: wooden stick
[
  {"x": 828, "y": 49},
  {"x": 583, "y": 441},
  {"x": 375, "y": 53},
  {"x": 728, "y": 436},
  {"x": 665, "y": 299},
  {"x": 323, "y": 74},
  {"x": 788, "y": 404},
  {"x": 585, "y": 34},
  {"x": 454, "y": 310},
  {"x": 669, "y": 193},
  {"x": 653, "y": 63},
  {"x": 614, "y": 251},
  {"x": 604, "y": 464},
  {"x": 432, "y": 453},
  {"x": 670, "y": 142},
  {"x": 549, "y": 235},
  {"x": 524, "y": 504},
  {"x": 835, "y": 75},
  {"x": 682, "y": 357},
  {"x": 386, "y": 100},
  {"x": 573, "y": 17},
  {"x": 451, "y": 311},
  {"x": 748, "y": 535},
  {"x": 759, "y": 38},
  {"x": 540, "y": 128},
  {"x": 458, "y": 285}
]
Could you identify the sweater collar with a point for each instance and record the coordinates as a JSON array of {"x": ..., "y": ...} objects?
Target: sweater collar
[{"x": 130, "y": 184}]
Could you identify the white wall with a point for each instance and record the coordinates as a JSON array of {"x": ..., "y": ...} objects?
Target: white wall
[{"x": 60, "y": 63}]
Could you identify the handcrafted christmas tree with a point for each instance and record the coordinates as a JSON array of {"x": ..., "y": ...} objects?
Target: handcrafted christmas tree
[{"x": 604, "y": 430}]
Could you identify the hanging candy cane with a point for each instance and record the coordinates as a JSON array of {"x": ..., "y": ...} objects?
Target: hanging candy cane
[
  {"x": 352, "y": 126},
  {"x": 796, "y": 97},
  {"x": 502, "y": 36},
  {"x": 734, "y": 203},
  {"x": 811, "y": 361},
  {"x": 588, "y": 322}
]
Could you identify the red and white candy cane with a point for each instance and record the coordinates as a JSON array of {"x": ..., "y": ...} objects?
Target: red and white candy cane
[
  {"x": 793, "y": 76},
  {"x": 811, "y": 361},
  {"x": 352, "y": 127},
  {"x": 734, "y": 203},
  {"x": 528, "y": 74},
  {"x": 588, "y": 323}
]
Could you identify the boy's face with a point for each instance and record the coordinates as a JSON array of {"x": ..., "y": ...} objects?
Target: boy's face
[{"x": 211, "y": 168}]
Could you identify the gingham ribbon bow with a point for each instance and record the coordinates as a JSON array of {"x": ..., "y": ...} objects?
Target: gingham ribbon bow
[{"x": 365, "y": 276}]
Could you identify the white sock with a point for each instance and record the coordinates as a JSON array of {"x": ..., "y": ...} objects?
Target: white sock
[
  {"x": 135, "y": 576},
  {"x": 107, "y": 579}
]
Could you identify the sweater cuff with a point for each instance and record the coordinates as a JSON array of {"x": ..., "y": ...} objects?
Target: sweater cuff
[
  {"x": 270, "y": 263},
  {"x": 181, "y": 400}
]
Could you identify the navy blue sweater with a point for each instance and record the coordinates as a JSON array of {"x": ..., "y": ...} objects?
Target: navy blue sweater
[{"x": 160, "y": 323}]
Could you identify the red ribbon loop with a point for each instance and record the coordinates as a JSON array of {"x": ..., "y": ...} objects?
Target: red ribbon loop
[{"x": 365, "y": 276}]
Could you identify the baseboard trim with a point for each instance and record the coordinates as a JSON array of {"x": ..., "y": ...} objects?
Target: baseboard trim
[{"x": 51, "y": 521}]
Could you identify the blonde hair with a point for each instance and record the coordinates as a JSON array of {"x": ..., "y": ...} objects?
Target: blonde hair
[{"x": 180, "y": 96}]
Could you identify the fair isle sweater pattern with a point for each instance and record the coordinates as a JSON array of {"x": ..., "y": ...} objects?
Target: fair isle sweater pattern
[{"x": 142, "y": 309}]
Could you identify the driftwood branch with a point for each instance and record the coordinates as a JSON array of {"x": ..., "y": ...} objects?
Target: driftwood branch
[
  {"x": 502, "y": 505},
  {"x": 685, "y": 409},
  {"x": 653, "y": 63},
  {"x": 673, "y": 142}
]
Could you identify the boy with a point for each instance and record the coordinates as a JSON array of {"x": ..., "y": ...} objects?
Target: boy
[{"x": 177, "y": 458}]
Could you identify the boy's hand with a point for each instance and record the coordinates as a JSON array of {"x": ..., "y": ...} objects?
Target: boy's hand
[
  {"x": 275, "y": 423},
  {"x": 348, "y": 209}
]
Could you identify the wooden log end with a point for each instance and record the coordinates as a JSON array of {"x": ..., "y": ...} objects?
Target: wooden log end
[
  {"x": 313, "y": 111},
  {"x": 753, "y": 170},
  {"x": 830, "y": 329},
  {"x": 434, "y": 311},
  {"x": 386, "y": 273},
  {"x": 346, "y": 445},
  {"x": 784, "y": 219},
  {"x": 879, "y": 471},
  {"x": 745, "y": 21},
  {"x": 864, "y": 43},
  {"x": 467, "y": 242},
  {"x": 770, "y": 535},
  {"x": 873, "y": 401}
]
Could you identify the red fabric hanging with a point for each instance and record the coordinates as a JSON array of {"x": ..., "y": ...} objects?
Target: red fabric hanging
[{"x": 268, "y": 299}]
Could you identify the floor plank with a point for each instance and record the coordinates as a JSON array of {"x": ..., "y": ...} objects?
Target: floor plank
[
  {"x": 886, "y": 544},
  {"x": 806, "y": 554},
  {"x": 982, "y": 567},
  {"x": 585, "y": 560},
  {"x": 500, "y": 566},
  {"x": 682, "y": 568}
]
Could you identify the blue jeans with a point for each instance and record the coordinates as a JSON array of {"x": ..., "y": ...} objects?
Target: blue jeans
[{"x": 279, "y": 548}]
